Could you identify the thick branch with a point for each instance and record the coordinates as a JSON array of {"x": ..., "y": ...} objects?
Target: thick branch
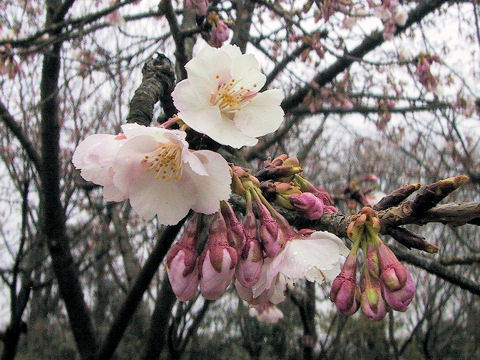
[
  {"x": 157, "y": 85},
  {"x": 53, "y": 216},
  {"x": 243, "y": 21}
]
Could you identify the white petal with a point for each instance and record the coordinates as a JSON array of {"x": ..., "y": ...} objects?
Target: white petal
[
  {"x": 158, "y": 133},
  {"x": 232, "y": 50},
  {"x": 166, "y": 199},
  {"x": 262, "y": 115},
  {"x": 95, "y": 155},
  {"x": 209, "y": 63},
  {"x": 211, "y": 189},
  {"x": 278, "y": 294},
  {"x": 111, "y": 193},
  {"x": 128, "y": 163},
  {"x": 210, "y": 121},
  {"x": 245, "y": 71},
  {"x": 190, "y": 96},
  {"x": 312, "y": 258},
  {"x": 327, "y": 236}
]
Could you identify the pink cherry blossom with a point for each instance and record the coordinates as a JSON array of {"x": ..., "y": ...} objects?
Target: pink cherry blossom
[{"x": 163, "y": 177}]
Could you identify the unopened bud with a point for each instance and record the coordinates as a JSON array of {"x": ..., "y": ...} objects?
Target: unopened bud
[
  {"x": 217, "y": 262},
  {"x": 392, "y": 272},
  {"x": 308, "y": 205},
  {"x": 181, "y": 262},
  {"x": 400, "y": 299},
  {"x": 372, "y": 303},
  {"x": 235, "y": 230},
  {"x": 345, "y": 292}
]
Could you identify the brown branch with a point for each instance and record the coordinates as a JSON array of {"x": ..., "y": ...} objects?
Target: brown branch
[
  {"x": 157, "y": 84},
  {"x": 466, "y": 260},
  {"x": 53, "y": 215},
  {"x": 243, "y": 21}
]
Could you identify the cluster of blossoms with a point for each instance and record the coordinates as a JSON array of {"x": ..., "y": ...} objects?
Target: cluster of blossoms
[
  {"x": 386, "y": 283},
  {"x": 154, "y": 167}
]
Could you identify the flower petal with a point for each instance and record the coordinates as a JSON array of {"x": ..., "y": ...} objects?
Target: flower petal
[
  {"x": 211, "y": 189},
  {"x": 262, "y": 115},
  {"x": 166, "y": 199},
  {"x": 210, "y": 121},
  {"x": 128, "y": 162},
  {"x": 95, "y": 155}
]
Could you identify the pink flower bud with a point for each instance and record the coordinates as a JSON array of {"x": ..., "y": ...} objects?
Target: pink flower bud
[
  {"x": 251, "y": 260},
  {"x": 400, "y": 299},
  {"x": 219, "y": 34},
  {"x": 308, "y": 205},
  {"x": 372, "y": 303},
  {"x": 269, "y": 231},
  {"x": 235, "y": 230},
  {"x": 345, "y": 292},
  {"x": 182, "y": 267},
  {"x": 392, "y": 273},
  {"x": 371, "y": 260},
  {"x": 217, "y": 262}
]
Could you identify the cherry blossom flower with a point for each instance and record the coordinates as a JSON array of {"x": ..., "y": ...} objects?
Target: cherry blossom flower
[
  {"x": 221, "y": 97},
  {"x": 315, "y": 257},
  {"x": 94, "y": 156},
  {"x": 163, "y": 177}
]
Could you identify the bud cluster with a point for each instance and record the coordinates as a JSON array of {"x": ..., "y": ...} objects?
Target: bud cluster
[
  {"x": 385, "y": 282},
  {"x": 282, "y": 183},
  {"x": 260, "y": 252}
]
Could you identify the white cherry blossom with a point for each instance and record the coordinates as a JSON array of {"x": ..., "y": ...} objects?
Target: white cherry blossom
[
  {"x": 221, "y": 98},
  {"x": 315, "y": 258}
]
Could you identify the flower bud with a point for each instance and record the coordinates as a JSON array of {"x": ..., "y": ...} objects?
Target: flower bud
[
  {"x": 308, "y": 205},
  {"x": 251, "y": 259},
  {"x": 291, "y": 161},
  {"x": 217, "y": 262},
  {"x": 371, "y": 260},
  {"x": 345, "y": 292},
  {"x": 372, "y": 303},
  {"x": 268, "y": 231},
  {"x": 219, "y": 34},
  {"x": 181, "y": 261},
  {"x": 278, "y": 172},
  {"x": 277, "y": 161},
  {"x": 322, "y": 194},
  {"x": 356, "y": 228},
  {"x": 392, "y": 272},
  {"x": 235, "y": 230},
  {"x": 400, "y": 299}
]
